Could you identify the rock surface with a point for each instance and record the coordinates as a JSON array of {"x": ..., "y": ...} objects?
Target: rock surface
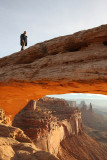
[
  {"x": 3, "y": 118},
  {"x": 74, "y": 63},
  {"x": 15, "y": 145},
  {"x": 56, "y": 127},
  {"x": 82, "y": 147},
  {"x": 51, "y": 121}
]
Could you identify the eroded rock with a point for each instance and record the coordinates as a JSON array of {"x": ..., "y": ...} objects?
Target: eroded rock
[
  {"x": 56, "y": 127},
  {"x": 15, "y": 145},
  {"x": 3, "y": 118},
  {"x": 68, "y": 64}
]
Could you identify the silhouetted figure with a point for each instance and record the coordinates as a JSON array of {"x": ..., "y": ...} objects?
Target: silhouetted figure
[{"x": 23, "y": 40}]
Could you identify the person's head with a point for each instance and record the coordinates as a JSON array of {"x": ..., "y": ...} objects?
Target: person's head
[{"x": 24, "y": 32}]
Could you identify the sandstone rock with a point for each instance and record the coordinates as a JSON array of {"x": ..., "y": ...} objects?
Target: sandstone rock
[
  {"x": 56, "y": 127},
  {"x": 12, "y": 149},
  {"x": 31, "y": 106},
  {"x": 81, "y": 147},
  {"x": 42, "y": 155},
  {"x": 3, "y": 118},
  {"x": 52, "y": 121},
  {"x": 73, "y": 63},
  {"x": 15, "y": 145},
  {"x": 13, "y": 132}
]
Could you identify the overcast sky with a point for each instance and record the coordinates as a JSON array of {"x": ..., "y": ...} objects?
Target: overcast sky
[{"x": 46, "y": 19}]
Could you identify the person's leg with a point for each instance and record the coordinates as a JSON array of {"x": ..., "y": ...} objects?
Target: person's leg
[{"x": 23, "y": 46}]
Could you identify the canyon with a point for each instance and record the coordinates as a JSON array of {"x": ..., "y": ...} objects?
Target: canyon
[
  {"x": 69, "y": 64},
  {"x": 15, "y": 145},
  {"x": 48, "y": 123},
  {"x": 95, "y": 125},
  {"x": 56, "y": 127}
]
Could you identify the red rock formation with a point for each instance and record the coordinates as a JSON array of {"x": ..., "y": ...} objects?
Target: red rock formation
[
  {"x": 74, "y": 63},
  {"x": 51, "y": 121},
  {"x": 56, "y": 127}
]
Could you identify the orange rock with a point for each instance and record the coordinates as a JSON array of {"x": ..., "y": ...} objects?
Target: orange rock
[{"x": 70, "y": 64}]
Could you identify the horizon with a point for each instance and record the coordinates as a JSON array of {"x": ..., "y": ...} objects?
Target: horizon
[
  {"x": 45, "y": 20},
  {"x": 96, "y": 99}
]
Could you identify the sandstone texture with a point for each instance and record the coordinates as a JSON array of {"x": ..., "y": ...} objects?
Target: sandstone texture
[
  {"x": 3, "y": 118},
  {"x": 15, "y": 145},
  {"x": 67, "y": 64},
  {"x": 81, "y": 147},
  {"x": 49, "y": 122},
  {"x": 56, "y": 127}
]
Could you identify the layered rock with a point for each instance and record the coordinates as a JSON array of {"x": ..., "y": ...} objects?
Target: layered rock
[
  {"x": 13, "y": 132},
  {"x": 15, "y": 145},
  {"x": 81, "y": 147},
  {"x": 56, "y": 127},
  {"x": 50, "y": 123},
  {"x": 3, "y": 118},
  {"x": 74, "y": 63}
]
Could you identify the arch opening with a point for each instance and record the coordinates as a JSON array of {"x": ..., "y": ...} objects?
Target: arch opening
[{"x": 93, "y": 109}]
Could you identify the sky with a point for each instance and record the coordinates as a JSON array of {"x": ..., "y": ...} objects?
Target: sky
[
  {"x": 46, "y": 19},
  {"x": 97, "y": 99}
]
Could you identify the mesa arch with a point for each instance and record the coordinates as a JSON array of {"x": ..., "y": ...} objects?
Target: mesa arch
[{"x": 69, "y": 64}]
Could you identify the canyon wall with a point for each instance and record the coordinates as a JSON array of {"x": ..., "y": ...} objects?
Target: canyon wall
[
  {"x": 48, "y": 121},
  {"x": 56, "y": 127}
]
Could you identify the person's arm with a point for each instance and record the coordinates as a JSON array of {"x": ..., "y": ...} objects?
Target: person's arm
[{"x": 26, "y": 41}]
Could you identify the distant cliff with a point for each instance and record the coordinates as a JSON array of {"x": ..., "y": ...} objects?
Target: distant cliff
[{"x": 91, "y": 119}]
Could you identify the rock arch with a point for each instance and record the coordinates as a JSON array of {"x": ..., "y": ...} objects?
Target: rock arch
[{"x": 70, "y": 64}]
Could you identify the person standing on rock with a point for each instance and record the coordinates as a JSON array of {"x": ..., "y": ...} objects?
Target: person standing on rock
[{"x": 23, "y": 40}]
